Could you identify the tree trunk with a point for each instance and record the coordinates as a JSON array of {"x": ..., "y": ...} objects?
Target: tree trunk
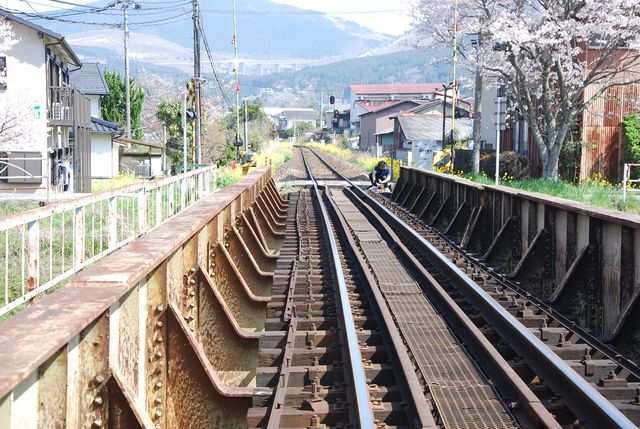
[
  {"x": 477, "y": 124},
  {"x": 550, "y": 163}
]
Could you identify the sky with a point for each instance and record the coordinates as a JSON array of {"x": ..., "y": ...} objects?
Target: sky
[{"x": 384, "y": 16}]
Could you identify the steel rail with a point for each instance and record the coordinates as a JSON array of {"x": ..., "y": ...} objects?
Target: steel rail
[
  {"x": 589, "y": 339},
  {"x": 421, "y": 406},
  {"x": 364, "y": 411},
  {"x": 536, "y": 353}
]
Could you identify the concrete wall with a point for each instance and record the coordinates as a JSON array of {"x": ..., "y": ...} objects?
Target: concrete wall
[
  {"x": 95, "y": 106},
  {"x": 104, "y": 156},
  {"x": 27, "y": 85}
]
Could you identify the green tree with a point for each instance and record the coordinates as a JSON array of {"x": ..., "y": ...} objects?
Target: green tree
[
  {"x": 299, "y": 129},
  {"x": 169, "y": 113},
  {"x": 632, "y": 133},
  {"x": 260, "y": 126},
  {"x": 114, "y": 104}
]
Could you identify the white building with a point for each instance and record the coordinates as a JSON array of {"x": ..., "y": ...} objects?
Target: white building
[
  {"x": 286, "y": 118},
  {"x": 35, "y": 72},
  {"x": 105, "y": 157}
]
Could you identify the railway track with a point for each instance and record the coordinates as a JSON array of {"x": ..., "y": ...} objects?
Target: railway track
[
  {"x": 546, "y": 374},
  {"x": 327, "y": 353}
]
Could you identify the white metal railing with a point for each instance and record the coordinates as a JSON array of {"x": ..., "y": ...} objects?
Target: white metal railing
[
  {"x": 43, "y": 247},
  {"x": 626, "y": 179}
]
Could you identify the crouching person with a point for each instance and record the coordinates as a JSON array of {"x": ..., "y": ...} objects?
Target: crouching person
[{"x": 380, "y": 177}]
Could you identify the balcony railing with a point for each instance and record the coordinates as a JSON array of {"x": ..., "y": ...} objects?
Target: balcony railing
[{"x": 60, "y": 110}]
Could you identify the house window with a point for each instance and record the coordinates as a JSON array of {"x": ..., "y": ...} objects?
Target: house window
[{"x": 4, "y": 166}]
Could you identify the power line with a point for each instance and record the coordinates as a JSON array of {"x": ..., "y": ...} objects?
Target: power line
[
  {"x": 297, "y": 12},
  {"x": 213, "y": 67}
]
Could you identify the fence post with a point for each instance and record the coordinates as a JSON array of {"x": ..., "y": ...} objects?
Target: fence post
[
  {"x": 159, "y": 205},
  {"x": 78, "y": 236},
  {"x": 183, "y": 194},
  {"x": 193, "y": 187},
  {"x": 171, "y": 198},
  {"x": 143, "y": 210},
  {"x": 33, "y": 256},
  {"x": 112, "y": 224},
  {"x": 215, "y": 179},
  {"x": 624, "y": 182}
]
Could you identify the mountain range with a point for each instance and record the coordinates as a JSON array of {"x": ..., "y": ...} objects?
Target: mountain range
[{"x": 265, "y": 30}]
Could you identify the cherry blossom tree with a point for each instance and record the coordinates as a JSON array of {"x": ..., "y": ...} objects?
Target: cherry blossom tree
[{"x": 545, "y": 53}]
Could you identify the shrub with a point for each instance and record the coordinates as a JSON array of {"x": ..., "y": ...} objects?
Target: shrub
[{"x": 512, "y": 165}]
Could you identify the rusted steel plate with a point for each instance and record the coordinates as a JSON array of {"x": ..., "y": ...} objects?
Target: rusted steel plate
[
  {"x": 628, "y": 219},
  {"x": 45, "y": 327}
]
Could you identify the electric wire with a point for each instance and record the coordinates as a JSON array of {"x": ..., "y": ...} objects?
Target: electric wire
[{"x": 225, "y": 97}]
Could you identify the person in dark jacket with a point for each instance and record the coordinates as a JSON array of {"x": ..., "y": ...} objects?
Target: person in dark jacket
[{"x": 381, "y": 176}]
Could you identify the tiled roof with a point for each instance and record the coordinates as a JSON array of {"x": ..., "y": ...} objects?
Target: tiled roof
[
  {"x": 74, "y": 59},
  {"x": 89, "y": 79},
  {"x": 101, "y": 126},
  {"x": 299, "y": 115},
  {"x": 387, "y": 105},
  {"x": 396, "y": 88}
]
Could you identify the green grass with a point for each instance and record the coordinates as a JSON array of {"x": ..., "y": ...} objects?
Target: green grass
[
  {"x": 11, "y": 208},
  {"x": 595, "y": 191}
]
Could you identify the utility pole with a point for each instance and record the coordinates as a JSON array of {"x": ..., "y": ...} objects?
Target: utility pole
[
  {"x": 246, "y": 128},
  {"x": 197, "y": 78},
  {"x": 184, "y": 133},
  {"x": 235, "y": 69},
  {"x": 125, "y": 5},
  {"x": 477, "y": 114},
  {"x": 321, "y": 110},
  {"x": 501, "y": 117},
  {"x": 444, "y": 116}
]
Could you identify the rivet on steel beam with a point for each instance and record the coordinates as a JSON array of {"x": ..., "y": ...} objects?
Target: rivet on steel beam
[
  {"x": 158, "y": 385},
  {"x": 158, "y": 354},
  {"x": 98, "y": 379},
  {"x": 159, "y": 324},
  {"x": 98, "y": 401},
  {"x": 97, "y": 423},
  {"x": 191, "y": 306},
  {"x": 157, "y": 400},
  {"x": 157, "y": 414},
  {"x": 315, "y": 420},
  {"x": 159, "y": 339},
  {"x": 192, "y": 282},
  {"x": 192, "y": 293},
  {"x": 160, "y": 308},
  {"x": 193, "y": 270}
]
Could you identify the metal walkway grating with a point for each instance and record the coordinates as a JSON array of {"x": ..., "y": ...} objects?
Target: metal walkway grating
[{"x": 463, "y": 396}]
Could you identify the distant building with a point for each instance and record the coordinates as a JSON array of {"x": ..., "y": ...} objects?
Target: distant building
[
  {"x": 286, "y": 118},
  {"x": 382, "y": 140},
  {"x": 365, "y": 98},
  {"x": 416, "y": 137},
  {"x": 369, "y": 121},
  {"x": 104, "y": 150},
  {"x": 36, "y": 70}
]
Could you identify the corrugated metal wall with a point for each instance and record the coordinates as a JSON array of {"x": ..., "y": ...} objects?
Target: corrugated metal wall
[{"x": 602, "y": 129}]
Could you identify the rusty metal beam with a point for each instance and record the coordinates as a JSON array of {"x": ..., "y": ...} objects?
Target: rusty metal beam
[{"x": 121, "y": 345}]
